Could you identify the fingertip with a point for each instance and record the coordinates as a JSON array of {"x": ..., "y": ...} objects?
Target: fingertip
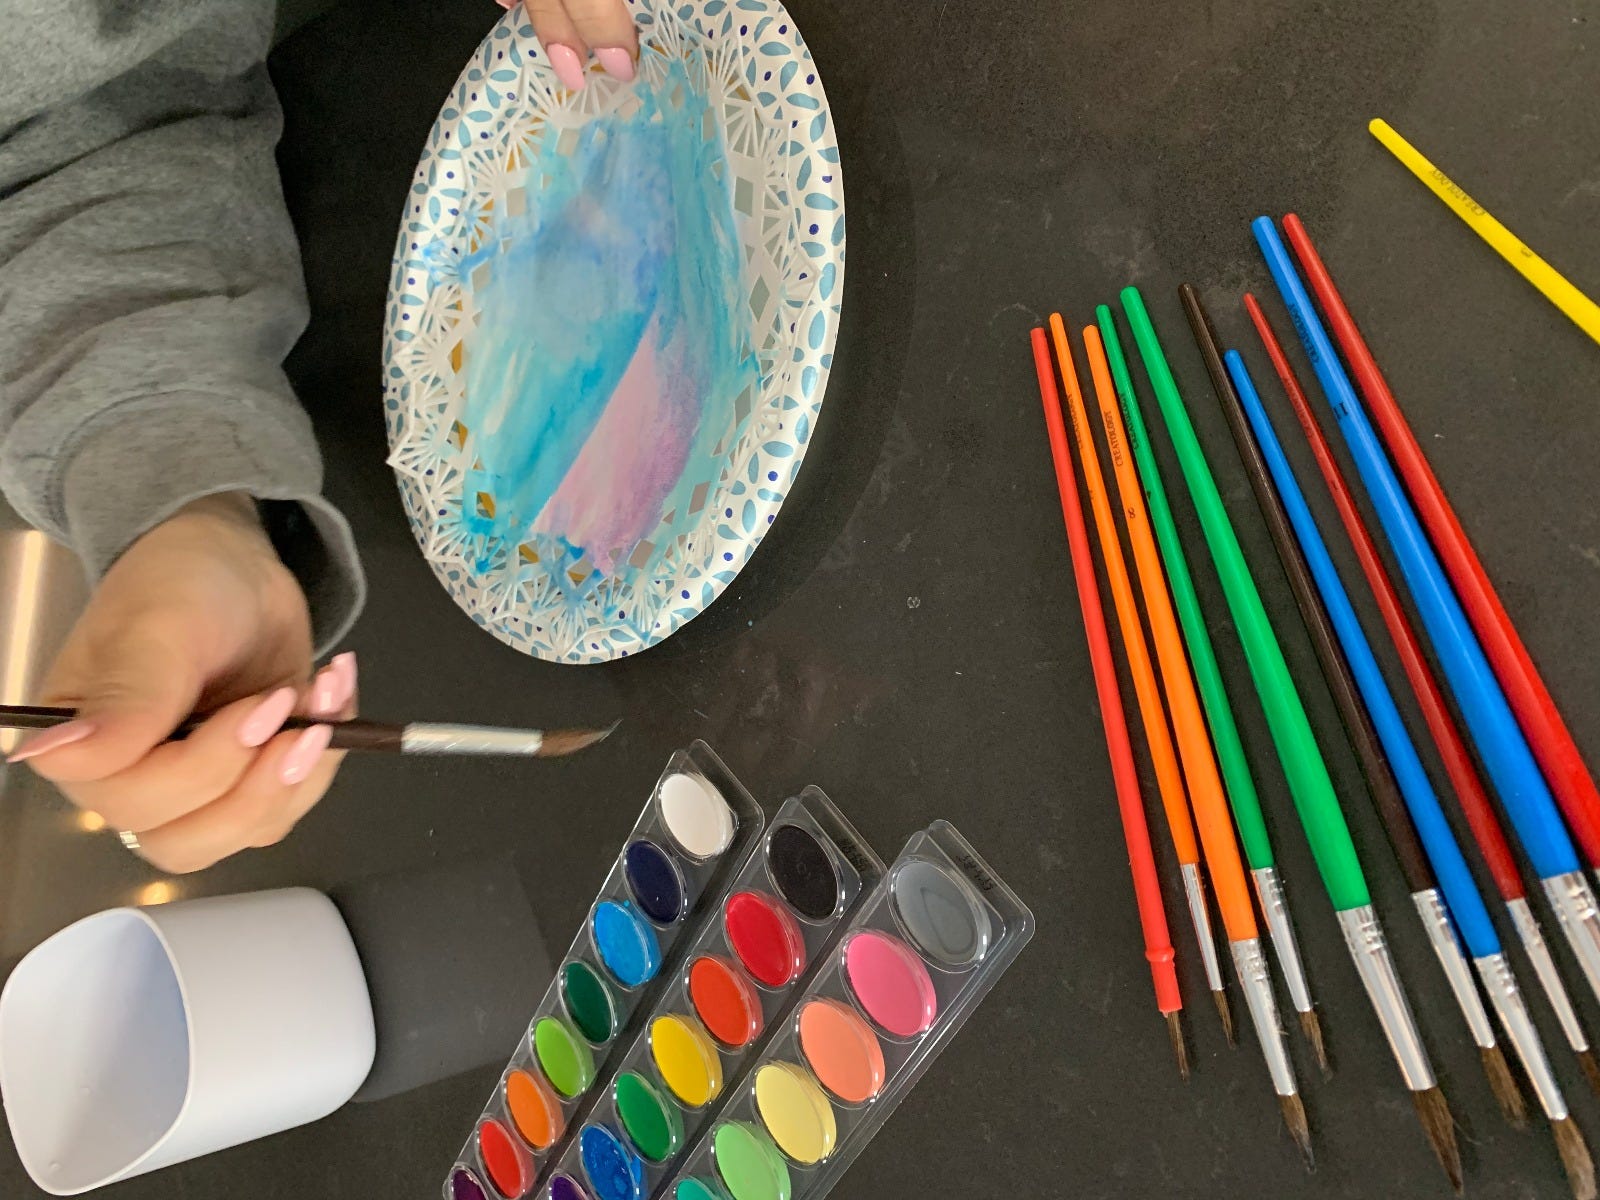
[
  {"x": 267, "y": 717},
  {"x": 304, "y": 754},
  {"x": 93, "y": 747},
  {"x": 67, "y": 734}
]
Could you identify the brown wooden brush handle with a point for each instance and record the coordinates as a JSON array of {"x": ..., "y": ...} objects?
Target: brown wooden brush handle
[
  {"x": 1381, "y": 784},
  {"x": 347, "y": 735}
]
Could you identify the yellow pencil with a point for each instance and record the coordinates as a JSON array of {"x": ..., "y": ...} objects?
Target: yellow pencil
[{"x": 1580, "y": 310}]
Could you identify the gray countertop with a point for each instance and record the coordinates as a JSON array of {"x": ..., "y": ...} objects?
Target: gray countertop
[{"x": 908, "y": 638}]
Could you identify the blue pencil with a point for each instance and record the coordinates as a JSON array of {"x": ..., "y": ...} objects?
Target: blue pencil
[
  {"x": 1461, "y": 892},
  {"x": 1510, "y": 764}
]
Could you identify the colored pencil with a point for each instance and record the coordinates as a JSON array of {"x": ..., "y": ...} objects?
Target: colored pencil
[
  {"x": 1462, "y": 903},
  {"x": 417, "y": 737},
  {"x": 1170, "y": 783},
  {"x": 1536, "y": 712},
  {"x": 1130, "y": 805},
  {"x": 1505, "y": 754},
  {"x": 1205, "y": 785},
  {"x": 1447, "y": 739},
  {"x": 1553, "y": 286},
  {"x": 1381, "y": 746},
  {"x": 1315, "y": 801},
  {"x": 1141, "y": 490}
]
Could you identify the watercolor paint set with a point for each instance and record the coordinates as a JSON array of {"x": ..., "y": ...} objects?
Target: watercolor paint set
[
  {"x": 779, "y": 925},
  {"x": 925, "y": 948},
  {"x": 696, "y": 830}
]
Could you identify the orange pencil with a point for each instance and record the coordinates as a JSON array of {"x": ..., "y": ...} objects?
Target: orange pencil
[{"x": 1194, "y": 743}]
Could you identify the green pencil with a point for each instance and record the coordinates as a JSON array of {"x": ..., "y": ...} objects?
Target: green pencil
[
  {"x": 1241, "y": 788},
  {"x": 1310, "y": 786}
]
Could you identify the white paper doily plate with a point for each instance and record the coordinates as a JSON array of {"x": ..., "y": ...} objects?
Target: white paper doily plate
[{"x": 503, "y": 518}]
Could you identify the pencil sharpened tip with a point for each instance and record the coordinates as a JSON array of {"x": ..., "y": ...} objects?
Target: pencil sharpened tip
[
  {"x": 1591, "y": 1070},
  {"x": 561, "y": 742},
  {"x": 1179, "y": 1050},
  {"x": 1575, "y": 1158},
  {"x": 1504, "y": 1086},
  {"x": 1311, "y": 1026},
  {"x": 1294, "y": 1118},
  {"x": 1440, "y": 1128},
  {"x": 1220, "y": 999}
]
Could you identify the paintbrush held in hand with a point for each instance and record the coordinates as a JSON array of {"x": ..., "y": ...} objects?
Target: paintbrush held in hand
[{"x": 416, "y": 737}]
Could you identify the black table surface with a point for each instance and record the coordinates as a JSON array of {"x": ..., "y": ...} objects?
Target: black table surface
[{"x": 908, "y": 637}]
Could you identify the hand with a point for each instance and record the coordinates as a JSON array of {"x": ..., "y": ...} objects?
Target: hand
[
  {"x": 569, "y": 29},
  {"x": 198, "y": 615}
]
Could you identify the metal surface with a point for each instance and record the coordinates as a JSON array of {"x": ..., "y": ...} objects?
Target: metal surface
[
  {"x": 1573, "y": 901},
  {"x": 1447, "y": 949},
  {"x": 470, "y": 739},
  {"x": 1544, "y": 966},
  {"x": 1194, "y": 889},
  {"x": 1501, "y": 984},
  {"x": 1368, "y": 948},
  {"x": 1280, "y": 927},
  {"x": 1255, "y": 981}
]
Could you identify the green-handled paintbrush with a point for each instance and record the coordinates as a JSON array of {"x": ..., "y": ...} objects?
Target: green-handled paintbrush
[
  {"x": 1309, "y": 784},
  {"x": 1240, "y": 786}
]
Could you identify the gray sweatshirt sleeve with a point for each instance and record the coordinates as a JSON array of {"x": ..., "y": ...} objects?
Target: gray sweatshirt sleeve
[{"x": 150, "y": 285}]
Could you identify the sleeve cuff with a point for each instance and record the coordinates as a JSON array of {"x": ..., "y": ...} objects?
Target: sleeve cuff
[{"x": 134, "y": 470}]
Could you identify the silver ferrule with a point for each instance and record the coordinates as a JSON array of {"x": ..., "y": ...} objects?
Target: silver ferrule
[
  {"x": 1544, "y": 966},
  {"x": 470, "y": 739},
  {"x": 1501, "y": 984},
  {"x": 1269, "y": 893},
  {"x": 1447, "y": 949},
  {"x": 1573, "y": 899},
  {"x": 1255, "y": 981},
  {"x": 1195, "y": 888},
  {"x": 1364, "y": 936}
]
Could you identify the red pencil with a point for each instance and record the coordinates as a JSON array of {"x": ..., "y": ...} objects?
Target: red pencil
[
  {"x": 1486, "y": 829},
  {"x": 1130, "y": 804},
  {"x": 1535, "y": 709}
]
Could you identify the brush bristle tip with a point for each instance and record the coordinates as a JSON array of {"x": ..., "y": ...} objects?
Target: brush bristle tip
[{"x": 1575, "y": 1158}]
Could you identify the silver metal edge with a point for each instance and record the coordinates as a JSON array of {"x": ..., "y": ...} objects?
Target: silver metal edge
[
  {"x": 1453, "y": 960},
  {"x": 1255, "y": 981},
  {"x": 1280, "y": 927},
  {"x": 1363, "y": 934},
  {"x": 1501, "y": 984},
  {"x": 1544, "y": 966}
]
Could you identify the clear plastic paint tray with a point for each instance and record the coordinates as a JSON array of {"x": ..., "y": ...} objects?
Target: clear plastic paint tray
[
  {"x": 695, "y": 832},
  {"x": 778, "y": 926},
  {"x": 924, "y": 950}
]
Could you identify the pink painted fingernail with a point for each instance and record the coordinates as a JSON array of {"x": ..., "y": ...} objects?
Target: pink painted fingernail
[
  {"x": 303, "y": 755},
  {"x": 53, "y": 739},
  {"x": 267, "y": 718},
  {"x": 335, "y": 685},
  {"x": 618, "y": 63},
  {"x": 569, "y": 67},
  {"x": 508, "y": 5}
]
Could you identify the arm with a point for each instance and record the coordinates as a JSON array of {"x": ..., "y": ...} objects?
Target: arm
[{"x": 150, "y": 288}]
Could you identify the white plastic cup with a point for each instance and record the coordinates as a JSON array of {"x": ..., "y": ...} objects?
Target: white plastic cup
[{"x": 142, "y": 1037}]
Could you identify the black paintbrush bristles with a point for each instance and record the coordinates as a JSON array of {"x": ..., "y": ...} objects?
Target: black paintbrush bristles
[
  {"x": 1179, "y": 1050},
  {"x": 1504, "y": 1086},
  {"x": 1440, "y": 1128},
  {"x": 1220, "y": 999},
  {"x": 1311, "y": 1026},
  {"x": 1294, "y": 1117},
  {"x": 1574, "y": 1157}
]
